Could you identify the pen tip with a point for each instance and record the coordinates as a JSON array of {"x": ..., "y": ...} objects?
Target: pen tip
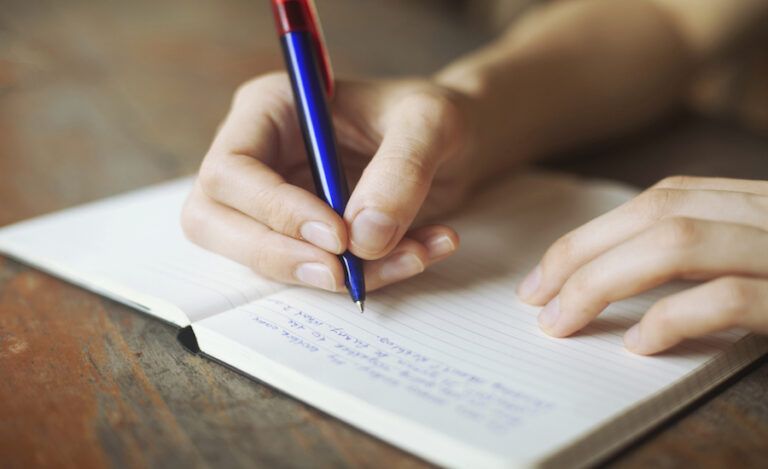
[{"x": 360, "y": 306}]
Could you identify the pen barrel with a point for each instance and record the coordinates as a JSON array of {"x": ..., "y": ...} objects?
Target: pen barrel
[
  {"x": 315, "y": 119},
  {"x": 313, "y": 111}
]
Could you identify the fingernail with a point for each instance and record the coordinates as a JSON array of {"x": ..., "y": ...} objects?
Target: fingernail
[
  {"x": 317, "y": 275},
  {"x": 372, "y": 230},
  {"x": 548, "y": 316},
  {"x": 632, "y": 338},
  {"x": 530, "y": 285},
  {"x": 401, "y": 267},
  {"x": 439, "y": 246},
  {"x": 321, "y": 235}
]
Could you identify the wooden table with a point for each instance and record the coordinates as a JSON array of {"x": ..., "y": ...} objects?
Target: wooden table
[{"x": 101, "y": 97}]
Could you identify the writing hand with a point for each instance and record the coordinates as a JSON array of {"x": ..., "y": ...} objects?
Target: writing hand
[
  {"x": 684, "y": 227},
  {"x": 254, "y": 200}
]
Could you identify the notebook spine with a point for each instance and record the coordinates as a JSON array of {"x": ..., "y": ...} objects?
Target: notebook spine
[{"x": 187, "y": 339}]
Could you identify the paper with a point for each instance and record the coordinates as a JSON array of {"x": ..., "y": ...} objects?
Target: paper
[
  {"x": 133, "y": 246},
  {"x": 454, "y": 351}
]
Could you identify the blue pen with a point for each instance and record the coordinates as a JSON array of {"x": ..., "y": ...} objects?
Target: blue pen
[{"x": 309, "y": 68}]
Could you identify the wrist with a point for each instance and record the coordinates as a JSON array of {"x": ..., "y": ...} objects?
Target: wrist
[{"x": 497, "y": 89}]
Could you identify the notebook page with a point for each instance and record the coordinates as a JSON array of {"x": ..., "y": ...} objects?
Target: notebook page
[
  {"x": 131, "y": 248},
  {"x": 450, "y": 365}
]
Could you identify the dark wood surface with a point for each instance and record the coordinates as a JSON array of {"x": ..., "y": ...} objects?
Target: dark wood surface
[{"x": 101, "y": 97}]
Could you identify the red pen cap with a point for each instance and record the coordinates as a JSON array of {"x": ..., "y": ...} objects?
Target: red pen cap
[{"x": 301, "y": 15}]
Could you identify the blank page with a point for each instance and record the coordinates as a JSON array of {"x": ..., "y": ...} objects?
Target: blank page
[
  {"x": 450, "y": 365},
  {"x": 131, "y": 248}
]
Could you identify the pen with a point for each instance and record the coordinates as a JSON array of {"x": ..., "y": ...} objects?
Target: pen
[{"x": 312, "y": 82}]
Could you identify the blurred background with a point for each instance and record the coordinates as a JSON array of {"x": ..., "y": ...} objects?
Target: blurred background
[
  {"x": 100, "y": 96},
  {"x": 97, "y": 97}
]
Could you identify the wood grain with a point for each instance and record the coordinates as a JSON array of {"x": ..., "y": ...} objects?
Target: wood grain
[{"x": 101, "y": 97}]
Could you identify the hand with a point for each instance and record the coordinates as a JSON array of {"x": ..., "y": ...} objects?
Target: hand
[
  {"x": 684, "y": 227},
  {"x": 254, "y": 200}
]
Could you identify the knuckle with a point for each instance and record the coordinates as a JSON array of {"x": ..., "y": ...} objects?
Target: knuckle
[
  {"x": 656, "y": 203},
  {"x": 428, "y": 104},
  {"x": 404, "y": 168},
  {"x": 275, "y": 209},
  {"x": 735, "y": 296},
  {"x": 246, "y": 90},
  {"x": 211, "y": 177},
  {"x": 261, "y": 87},
  {"x": 436, "y": 109},
  {"x": 560, "y": 252},
  {"x": 272, "y": 207},
  {"x": 675, "y": 182},
  {"x": 678, "y": 232}
]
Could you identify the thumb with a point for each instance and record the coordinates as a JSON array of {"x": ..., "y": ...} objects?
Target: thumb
[{"x": 391, "y": 190}]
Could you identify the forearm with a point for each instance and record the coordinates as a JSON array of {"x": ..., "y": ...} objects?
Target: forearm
[{"x": 577, "y": 71}]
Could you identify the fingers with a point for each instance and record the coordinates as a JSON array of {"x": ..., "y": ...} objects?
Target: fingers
[
  {"x": 720, "y": 304},
  {"x": 416, "y": 252},
  {"x": 287, "y": 260},
  {"x": 234, "y": 172},
  {"x": 267, "y": 252},
  {"x": 674, "y": 248},
  {"x": 397, "y": 180},
  {"x": 714, "y": 184},
  {"x": 580, "y": 246},
  {"x": 260, "y": 121},
  {"x": 254, "y": 189}
]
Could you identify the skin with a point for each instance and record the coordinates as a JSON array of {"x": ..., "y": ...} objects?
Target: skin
[
  {"x": 253, "y": 200},
  {"x": 706, "y": 229},
  {"x": 565, "y": 74}
]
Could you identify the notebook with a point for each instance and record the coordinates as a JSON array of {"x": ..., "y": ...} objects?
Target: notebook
[{"x": 449, "y": 366}]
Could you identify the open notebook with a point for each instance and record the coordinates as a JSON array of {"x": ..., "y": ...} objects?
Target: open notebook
[{"x": 449, "y": 366}]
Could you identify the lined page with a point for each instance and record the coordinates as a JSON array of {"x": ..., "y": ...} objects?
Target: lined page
[
  {"x": 450, "y": 365},
  {"x": 131, "y": 247}
]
